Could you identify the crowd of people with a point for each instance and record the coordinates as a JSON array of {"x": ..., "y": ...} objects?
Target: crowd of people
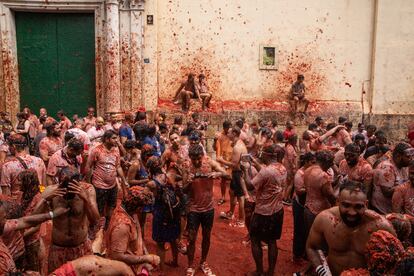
[{"x": 76, "y": 195}]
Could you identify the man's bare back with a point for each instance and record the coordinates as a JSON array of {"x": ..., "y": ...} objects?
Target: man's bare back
[
  {"x": 239, "y": 149},
  {"x": 347, "y": 245}
]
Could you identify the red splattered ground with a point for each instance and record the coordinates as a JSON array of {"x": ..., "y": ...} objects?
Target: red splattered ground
[{"x": 228, "y": 256}]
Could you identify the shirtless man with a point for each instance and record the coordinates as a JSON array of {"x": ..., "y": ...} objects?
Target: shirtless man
[
  {"x": 175, "y": 158},
  {"x": 224, "y": 150},
  {"x": 297, "y": 94},
  {"x": 94, "y": 265},
  {"x": 402, "y": 199},
  {"x": 8, "y": 226},
  {"x": 21, "y": 161},
  {"x": 205, "y": 95},
  {"x": 187, "y": 90},
  {"x": 354, "y": 167},
  {"x": 388, "y": 175},
  {"x": 237, "y": 191},
  {"x": 52, "y": 142},
  {"x": 198, "y": 183},
  {"x": 123, "y": 238},
  {"x": 90, "y": 119},
  {"x": 64, "y": 123},
  {"x": 345, "y": 229},
  {"x": 70, "y": 232},
  {"x": 318, "y": 188}
]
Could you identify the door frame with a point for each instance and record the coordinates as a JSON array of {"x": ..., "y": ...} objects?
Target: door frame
[{"x": 9, "y": 73}]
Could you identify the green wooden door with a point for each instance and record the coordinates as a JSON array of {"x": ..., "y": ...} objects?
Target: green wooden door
[{"x": 56, "y": 59}]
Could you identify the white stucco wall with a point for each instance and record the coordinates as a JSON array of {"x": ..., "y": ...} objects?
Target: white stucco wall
[
  {"x": 394, "y": 58},
  {"x": 328, "y": 41}
]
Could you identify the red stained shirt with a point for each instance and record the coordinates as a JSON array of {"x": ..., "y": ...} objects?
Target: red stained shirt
[
  {"x": 12, "y": 168},
  {"x": 50, "y": 145},
  {"x": 201, "y": 189},
  {"x": 13, "y": 238},
  {"x": 269, "y": 184},
  {"x": 58, "y": 162},
  {"x": 387, "y": 175},
  {"x": 104, "y": 163},
  {"x": 6, "y": 260},
  {"x": 403, "y": 199}
]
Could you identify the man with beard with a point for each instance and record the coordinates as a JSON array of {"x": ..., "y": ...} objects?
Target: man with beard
[
  {"x": 21, "y": 161},
  {"x": 69, "y": 156},
  {"x": 52, "y": 142},
  {"x": 345, "y": 229},
  {"x": 402, "y": 199},
  {"x": 104, "y": 163},
  {"x": 199, "y": 185},
  {"x": 356, "y": 168},
  {"x": 70, "y": 232},
  {"x": 388, "y": 175}
]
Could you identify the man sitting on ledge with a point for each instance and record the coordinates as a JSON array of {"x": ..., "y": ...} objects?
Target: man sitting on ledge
[{"x": 187, "y": 90}]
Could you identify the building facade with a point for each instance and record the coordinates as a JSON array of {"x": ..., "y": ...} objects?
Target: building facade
[{"x": 356, "y": 56}]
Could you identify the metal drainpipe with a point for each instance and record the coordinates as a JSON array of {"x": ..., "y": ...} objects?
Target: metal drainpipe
[{"x": 373, "y": 56}]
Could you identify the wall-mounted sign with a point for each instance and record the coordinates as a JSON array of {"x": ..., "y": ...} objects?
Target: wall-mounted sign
[
  {"x": 146, "y": 60},
  {"x": 150, "y": 19}
]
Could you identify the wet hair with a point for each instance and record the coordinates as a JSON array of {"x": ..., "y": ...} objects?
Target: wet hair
[
  {"x": 178, "y": 120},
  {"x": 279, "y": 136},
  {"x": 312, "y": 126},
  {"x": 330, "y": 126},
  {"x": 405, "y": 266},
  {"x": 379, "y": 133},
  {"x": 301, "y": 77},
  {"x": 342, "y": 120},
  {"x": 400, "y": 148},
  {"x": 29, "y": 186},
  {"x": 324, "y": 157},
  {"x": 130, "y": 144},
  {"x": 129, "y": 117},
  {"x": 353, "y": 186},
  {"x": 21, "y": 115},
  {"x": 190, "y": 75},
  {"x": 108, "y": 134},
  {"x": 18, "y": 141},
  {"x": 42, "y": 120},
  {"x": 353, "y": 148},
  {"x": 151, "y": 130},
  {"x": 360, "y": 124},
  {"x": 141, "y": 115},
  {"x": 163, "y": 127},
  {"x": 239, "y": 123},
  {"x": 349, "y": 124},
  {"x": 68, "y": 136},
  {"x": 140, "y": 131},
  {"x": 61, "y": 113},
  {"x": 266, "y": 132},
  {"x": 50, "y": 127},
  {"x": 236, "y": 130},
  {"x": 318, "y": 119},
  {"x": 135, "y": 197},
  {"x": 305, "y": 158},
  {"x": 146, "y": 152},
  {"x": 194, "y": 135},
  {"x": 274, "y": 152},
  {"x": 201, "y": 76},
  {"x": 75, "y": 144},
  {"x": 195, "y": 115},
  {"x": 195, "y": 151},
  {"x": 274, "y": 123},
  {"x": 359, "y": 137},
  {"x": 154, "y": 165},
  {"x": 68, "y": 173},
  {"x": 226, "y": 124}
]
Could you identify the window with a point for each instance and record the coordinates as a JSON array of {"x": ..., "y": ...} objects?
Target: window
[{"x": 268, "y": 60}]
